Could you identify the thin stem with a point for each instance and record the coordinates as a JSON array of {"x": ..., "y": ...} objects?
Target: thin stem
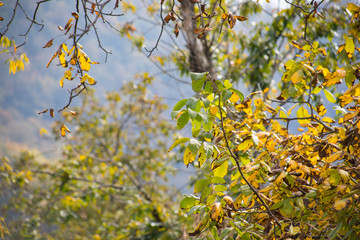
[{"x": 239, "y": 168}]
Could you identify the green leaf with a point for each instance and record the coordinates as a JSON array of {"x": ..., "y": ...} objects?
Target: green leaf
[
  {"x": 208, "y": 149},
  {"x": 300, "y": 203},
  {"x": 207, "y": 124},
  {"x": 225, "y": 232},
  {"x": 194, "y": 145},
  {"x": 205, "y": 193},
  {"x": 226, "y": 94},
  {"x": 287, "y": 208},
  {"x": 192, "y": 114},
  {"x": 195, "y": 209},
  {"x": 198, "y": 80},
  {"x": 333, "y": 232},
  {"x": 311, "y": 194},
  {"x": 187, "y": 203},
  {"x": 238, "y": 93},
  {"x": 196, "y": 123},
  {"x": 220, "y": 188},
  {"x": 179, "y": 104},
  {"x": 277, "y": 205},
  {"x": 193, "y": 104},
  {"x": 200, "y": 185},
  {"x": 182, "y": 120},
  {"x": 206, "y": 102},
  {"x": 208, "y": 135},
  {"x": 330, "y": 97},
  {"x": 208, "y": 87},
  {"x": 197, "y": 76},
  {"x": 218, "y": 180},
  {"x": 177, "y": 142},
  {"x": 244, "y": 158},
  {"x": 174, "y": 114}
]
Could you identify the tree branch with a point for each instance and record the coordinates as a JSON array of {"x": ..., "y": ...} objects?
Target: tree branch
[{"x": 239, "y": 168}]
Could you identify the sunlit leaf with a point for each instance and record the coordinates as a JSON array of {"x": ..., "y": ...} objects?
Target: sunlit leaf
[
  {"x": 63, "y": 129},
  {"x": 341, "y": 204},
  {"x": 321, "y": 110},
  {"x": 183, "y": 120},
  {"x": 222, "y": 170},
  {"x": 177, "y": 142},
  {"x": 201, "y": 156},
  {"x": 200, "y": 185},
  {"x": 349, "y": 46},
  {"x": 188, "y": 157},
  {"x": 43, "y": 131},
  {"x": 296, "y": 44},
  {"x": 329, "y": 96}
]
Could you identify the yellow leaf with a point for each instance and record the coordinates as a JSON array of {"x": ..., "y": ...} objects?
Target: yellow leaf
[
  {"x": 214, "y": 109},
  {"x": 43, "y": 131},
  {"x": 68, "y": 74},
  {"x": 188, "y": 157},
  {"x": 323, "y": 51},
  {"x": 303, "y": 113},
  {"x": 296, "y": 44},
  {"x": 321, "y": 110},
  {"x": 349, "y": 47},
  {"x": 62, "y": 81},
  {"x": 334, "y": 157},
  {"x": 297, "y": 77},
  {"x": 62, "y": 59},
  {"x": 221, "y": 170},
  {"x": 353, "y": 7},
  {"x": 328, "y": 120},
  {"x": 341, "y": 48},
  {"x": 234, "y": 98},
  {"x": 65, "y": 48},
  {"x": 280, "y": 177},
  {"x": 341, "y": 204},
  {"x": 201, "y": 156},
  {"x": 63, "y": 129},
  {"x": 216, "y": 211},
  {"x": 88, "y": 78},
  {"x": 84, "y": 62}
]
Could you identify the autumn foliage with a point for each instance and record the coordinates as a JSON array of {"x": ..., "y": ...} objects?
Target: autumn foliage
[{"x": 278, "y": 160}]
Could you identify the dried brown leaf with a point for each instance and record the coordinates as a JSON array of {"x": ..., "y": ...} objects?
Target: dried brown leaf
[{"x": 49, "y": 44}]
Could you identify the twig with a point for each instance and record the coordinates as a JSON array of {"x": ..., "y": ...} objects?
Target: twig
[
  {"x": 161, "y": 32},
  {"x": 79, "y": 179},
  {"x": 239, "y": 168},
  {"x": 12, "y": 18}
]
